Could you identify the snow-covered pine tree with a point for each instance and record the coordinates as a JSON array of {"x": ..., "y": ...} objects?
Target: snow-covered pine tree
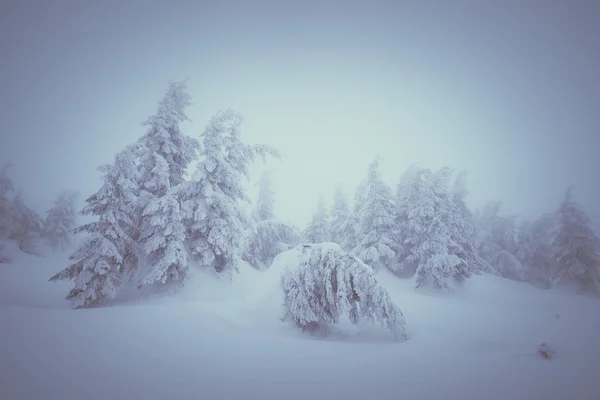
[
  {"x": 329, "y": 283},
  {"x": 104, "y": 264},
  {"x": 429, "y": 249},
  {"x": 378, "y": 246},
  {"x": 164, "y": 156},
  {"x": 60, "y": 220},
  {"x": 214, "y": 219},
  {"x": 340, "y": 212},
  {"x": 577, "y": 248},
  {"x": 26, "y": 226},
  {"x": 497, "y": 243},
  {"x": 318, "y": 230},
  {"x": 266, "y": 198},
  {"x": 463, "y": 228},
  {"x": 350, "y": 229},
  {"x": 536, "y": 249},
  {"x": 438, "y": 265}
]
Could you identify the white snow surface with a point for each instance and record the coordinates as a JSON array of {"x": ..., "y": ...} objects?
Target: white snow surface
[{"x": 215, "y": 339}]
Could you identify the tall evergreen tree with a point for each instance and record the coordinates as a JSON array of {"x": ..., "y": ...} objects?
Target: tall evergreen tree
[
  {"x": 266, "y": 198},
  {"x": 318, "y": 230},
  {"x": 463, "y": 229},
  {"x": 165, "y": 153},
  {"x": 378, "y": 246},
  {"x": 214, "y": 219},
  {"x": 340, "y": 212},
  {"x": 577, "y": 248},
  {"x": 350, "y": 230},
  {"x": 427, "y": 232}
]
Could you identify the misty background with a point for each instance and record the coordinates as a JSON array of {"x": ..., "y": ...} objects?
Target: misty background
[{"x": 508, "y": 90}]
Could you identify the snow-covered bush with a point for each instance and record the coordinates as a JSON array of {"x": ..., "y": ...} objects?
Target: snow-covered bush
[
  {"x": 328, "y": 283},
  {"x": 267, "y": 239}
]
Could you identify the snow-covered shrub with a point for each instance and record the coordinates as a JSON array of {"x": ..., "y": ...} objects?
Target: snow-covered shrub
[
  {"x": 266, "y": 240},
  {"x": 328, "y": 283}
]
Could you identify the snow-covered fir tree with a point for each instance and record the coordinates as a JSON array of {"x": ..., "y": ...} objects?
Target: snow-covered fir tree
[
  {"x": 329, "y": 283},
  {"x": 105, "y": 263},
  {"x": 214, "y": 218},
  {"x": 577, "y": 248},
  {"x": 340, "y": 212},
  {"x": 266, "y": 198},
  {"x": 429, "y": 249},
  {"x": 497, "y": 243},
  {"x": 318, "y": 230},
  {"x": 378, "y": 246},
  {"x": 164, "y": 156},
  {"x": 536, "y": 249},
  {"x": 463, "y": 229},
  {"x": 60, "y": 220},
  {"x": 27, "y": 226},
  {"x": 350, "y": 230}
]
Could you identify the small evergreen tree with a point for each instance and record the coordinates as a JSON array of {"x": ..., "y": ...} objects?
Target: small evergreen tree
[
  {"x": 577, "y": 248},
  {"x": 328, "y": 283},
  {"x": 103, "y": 265}
]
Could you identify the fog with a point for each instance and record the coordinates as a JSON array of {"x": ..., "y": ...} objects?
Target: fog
[{"x": 506, "y": 90}]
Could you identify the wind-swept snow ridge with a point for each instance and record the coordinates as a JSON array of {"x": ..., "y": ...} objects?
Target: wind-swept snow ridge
[{"x": 328, "y": 283}]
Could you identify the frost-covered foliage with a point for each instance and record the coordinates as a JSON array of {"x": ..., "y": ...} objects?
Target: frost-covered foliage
[
  {"x": 577, "y": 248},
  {"x": 266, "y": 240},
  {"x": 427, "y": 231},
  {"x": 497, "y": 243},
  {"x": 318, "y": 230},
  {"x": 213, "y": 216},
  {"x": 164, "y": 139},
  {"x": 329, "y": 283},
  {"x": 463, "y": 229},
  {"x": 266, "y": 198},
  {"x": 18, "y": 222},
  {"x": 60, "y": 220},
  {"x": 350, "y": 229},
  {"x": 536, "y": 249},
  {"x": 27, "y": 226},
  {"x": 340, "y": 212},
  {"x": 104, "y": 263},
  {"x": 164, "y": 155},
  {"x": 378, "y": 246}
]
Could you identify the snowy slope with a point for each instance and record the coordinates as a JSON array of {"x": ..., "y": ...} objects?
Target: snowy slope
[{"x": 216, "y": 340}]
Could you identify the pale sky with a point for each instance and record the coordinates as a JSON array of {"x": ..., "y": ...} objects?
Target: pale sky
[{"x": 509, "y": 90}]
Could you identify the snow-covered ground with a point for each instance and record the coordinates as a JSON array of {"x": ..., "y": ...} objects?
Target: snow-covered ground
[{"x": 220, "y": 340}]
